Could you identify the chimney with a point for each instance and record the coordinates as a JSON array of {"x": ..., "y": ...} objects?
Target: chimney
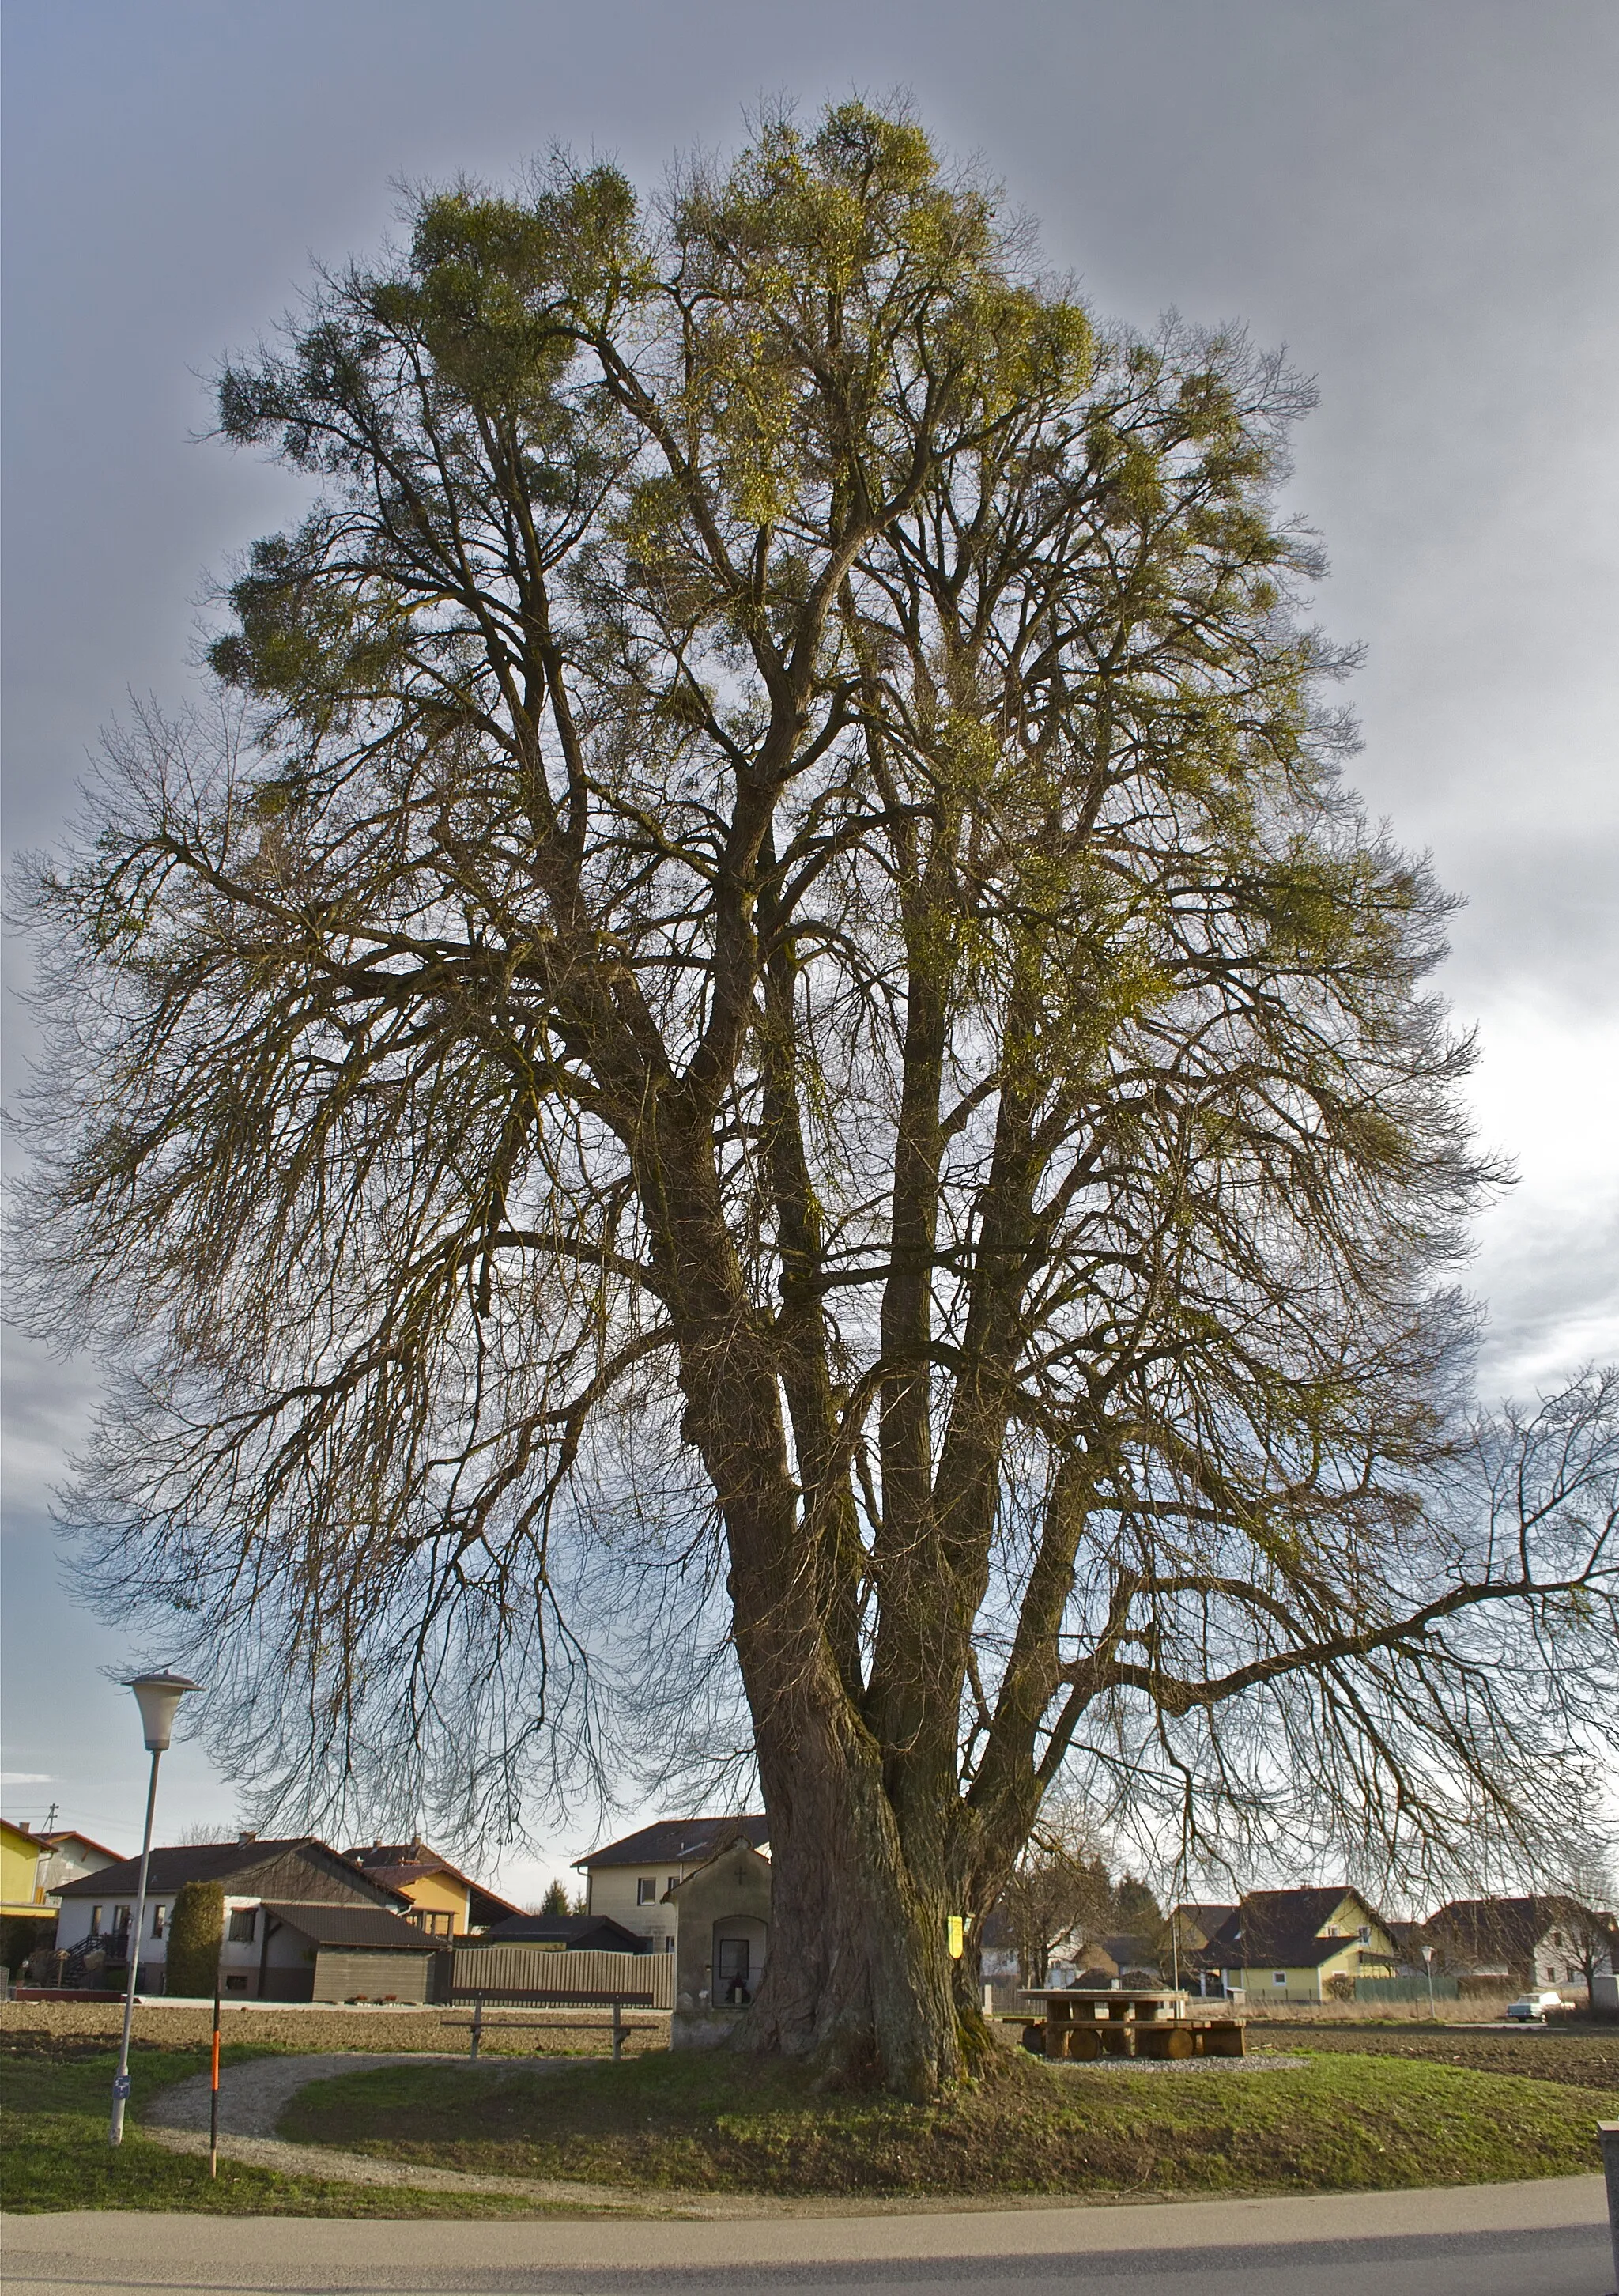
[{"x": 247, "y": 1834}]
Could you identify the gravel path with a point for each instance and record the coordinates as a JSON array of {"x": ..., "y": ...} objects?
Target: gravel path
[
  {"x": 252, "y": 2098},
  {"x": 330, "y": 2167}
]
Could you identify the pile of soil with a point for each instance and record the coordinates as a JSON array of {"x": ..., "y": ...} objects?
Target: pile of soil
[{"x": 1586, "y": 2058}]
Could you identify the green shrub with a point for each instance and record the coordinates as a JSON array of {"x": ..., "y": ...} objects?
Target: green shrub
[{"x": 196, "y": 1929}]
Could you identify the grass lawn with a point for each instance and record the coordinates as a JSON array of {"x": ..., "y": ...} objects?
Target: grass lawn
[
  {"x": 54, "y": 2154},
  {"x": 721, "y": 2123}
]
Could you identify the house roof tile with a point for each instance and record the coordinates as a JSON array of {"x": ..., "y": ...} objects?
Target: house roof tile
[
  {"x": 232, "y": 1864},
  {"x": 61, "y": 1835},
  {"x": 579, "y": 1932},
  {"x": 398, "y": 1864},
  {"x": 1512, "y": 1927},
  {"x": 1280, "y": 1928},
  {"x": 366, "y": 1927},
  {"x": 678, "y": 1840}
]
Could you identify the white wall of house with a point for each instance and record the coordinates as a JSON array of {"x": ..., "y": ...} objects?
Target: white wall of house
[
  {"x": 632, "y": 1897},
  {"x": 68, "y": 1861},
  {"x": 241, "y": 1953},
  {"x": 1559, "y": 1959},
  {"x": 84, "y": 1917}
]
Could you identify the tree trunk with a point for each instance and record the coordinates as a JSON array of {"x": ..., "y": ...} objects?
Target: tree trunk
[{"x": 859, "y": 1974}]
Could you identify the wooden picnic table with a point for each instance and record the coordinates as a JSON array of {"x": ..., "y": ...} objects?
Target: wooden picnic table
[{"x": 1084, "y": 2023}]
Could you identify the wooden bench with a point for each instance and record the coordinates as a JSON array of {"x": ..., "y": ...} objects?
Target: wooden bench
[{"x": 551, "y": 2024}]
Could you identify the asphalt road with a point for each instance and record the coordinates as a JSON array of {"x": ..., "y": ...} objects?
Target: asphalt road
[{"x": 1543, "y": 2239}]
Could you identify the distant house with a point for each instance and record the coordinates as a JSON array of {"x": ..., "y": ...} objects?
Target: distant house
[
  {"x": 27, "y": 1918},
  {"x": 69, "y": 1856},
  {"x": 1086, "y": 1959},
  {"x": 302, "y": 1923},
  {"x": 1409, "y": 1938},
  {"x": 998, "y": 1958},
  {"x": 445, "y": 1902},
  {"x": 632, "y": 1880},
  {"x": 566, "y": 1933},
  {"x": 1193, "y": 1928},
  {"x": 1518, "y": 1942},
  {"x": 1131, "y": 1954},
  {"x": 21, "y": 1853},
  {"x": 1291, "y": 1945}
]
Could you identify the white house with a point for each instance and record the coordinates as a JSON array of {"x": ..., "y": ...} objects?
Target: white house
[
  {"x": 632, "y": 1881},
  {"x": 300, "y": 1922}
]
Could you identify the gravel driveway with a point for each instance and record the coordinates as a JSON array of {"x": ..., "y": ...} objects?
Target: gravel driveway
[{"x": 252, "y": 2097}]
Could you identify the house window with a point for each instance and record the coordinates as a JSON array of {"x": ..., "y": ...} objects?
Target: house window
[
  {"x": 159, "y": 1914},
  {"x": 646, "y": 1890},
  {"x": 95, "y": 1920},
  {"x": 668, "y": 1945},
  {"x": 120, "y": 1921},
  {"x": 673, "y": 1883},
  {"x": 1364, "y": 1933},
  {"x": 244, "y": 1924},
  {"x": 1280, "y": 1977}
]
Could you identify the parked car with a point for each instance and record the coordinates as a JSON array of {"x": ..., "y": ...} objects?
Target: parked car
[{"x": 1530, "y": 2008}]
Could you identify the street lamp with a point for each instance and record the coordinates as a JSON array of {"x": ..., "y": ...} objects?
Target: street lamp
[
  {"x": 1427, "y": 1955},
  {"x": 156, "y": 1695}
]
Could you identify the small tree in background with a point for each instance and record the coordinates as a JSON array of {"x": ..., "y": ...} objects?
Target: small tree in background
[
  {"x": 1134, "y": 1910},
  {"x": 556, "y": 1900},
  {"x": 196, "y": 1930},
  {"x": 1059, "y": 1885}
]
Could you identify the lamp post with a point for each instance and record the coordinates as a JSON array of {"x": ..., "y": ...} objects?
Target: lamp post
[
  {"x": 1427, "y": 1955},
  {"x": 156, "y": 1695}
]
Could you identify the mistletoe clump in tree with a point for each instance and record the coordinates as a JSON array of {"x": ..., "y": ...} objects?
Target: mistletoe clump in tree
[{"x": 774, "y": 1037}]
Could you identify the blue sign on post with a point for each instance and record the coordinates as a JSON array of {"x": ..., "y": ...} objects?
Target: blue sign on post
[{"x": 120, "y": 2086}]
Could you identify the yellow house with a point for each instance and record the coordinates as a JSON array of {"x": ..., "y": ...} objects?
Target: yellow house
[
  {"x": 1291, "y": 1945},
  {"x": 445, "y": 1902},
  {"x": 20, "y": 1853},
  {"x": 27, "y": 1918}
]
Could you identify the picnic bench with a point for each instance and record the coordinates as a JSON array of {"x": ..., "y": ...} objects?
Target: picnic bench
[{"x": 1080, "y": 2024}]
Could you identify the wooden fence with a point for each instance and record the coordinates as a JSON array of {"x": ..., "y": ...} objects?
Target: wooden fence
[
  {"x": 532, "y": 1974},
  {"x": 1405, "y": 1989}
]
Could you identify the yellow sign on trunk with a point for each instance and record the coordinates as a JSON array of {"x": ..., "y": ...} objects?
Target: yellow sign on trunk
[{"x": 955, "y": 1935}]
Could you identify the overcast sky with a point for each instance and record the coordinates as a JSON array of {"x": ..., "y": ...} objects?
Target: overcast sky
[{"x": 1421, "y": 199}]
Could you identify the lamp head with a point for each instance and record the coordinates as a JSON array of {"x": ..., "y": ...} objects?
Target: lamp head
[{"x": 158, "y": 1695}]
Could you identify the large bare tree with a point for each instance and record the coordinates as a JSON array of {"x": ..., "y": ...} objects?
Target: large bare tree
[{"x": 781, "y": 985}]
